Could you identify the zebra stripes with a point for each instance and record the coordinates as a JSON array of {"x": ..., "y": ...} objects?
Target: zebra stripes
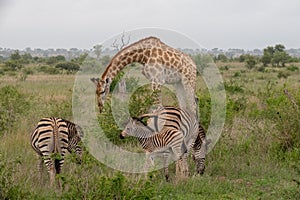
[
  {"x": 51, "y": 139},
  {"x": 182, "y": 122},
  {"x": 171, "y": 117},
  {"x": 199, "y": 150},
  {"x": 163, "y": 141}
]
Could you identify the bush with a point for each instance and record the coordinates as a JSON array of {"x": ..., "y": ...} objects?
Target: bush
[
  {"x": 13, "y": 104},
  {"x": 282, "y": 74},
  {"x": 293, "y": 68},
  {"x": 261, "y": 69},
  {"x": 48, "y": 69},
  {"x": 233, "y": 87},
  {"x": 279, "y": 109},
  {"x": 69, "y": 66}
]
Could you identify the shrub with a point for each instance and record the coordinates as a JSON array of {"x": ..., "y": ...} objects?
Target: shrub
[
  {"x": 293, "y": 68},
  {"x": 237, "y": 74},
  {"x": 12, "y": 105},
  {"x": 261, "y": 69},
  {"x": 282, "y": 74},
  {"x": 233, "y": 87},
  {"x": 48, "y": 69},
  {"x": 69, "y": 66}
]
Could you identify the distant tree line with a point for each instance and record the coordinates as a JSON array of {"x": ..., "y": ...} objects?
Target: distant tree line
[
  {"x": 50, "y": 65},
  {"x": 275, "y": 56}
]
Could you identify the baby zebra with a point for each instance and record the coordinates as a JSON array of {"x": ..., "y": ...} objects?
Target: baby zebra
[
  {"x": 51, "y": 139},
  {"x": 164, "y": 141},
  {"x": 181, "y": 119}
]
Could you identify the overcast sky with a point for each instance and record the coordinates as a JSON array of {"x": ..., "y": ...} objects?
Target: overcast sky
[{"x": 246, "y": 24}]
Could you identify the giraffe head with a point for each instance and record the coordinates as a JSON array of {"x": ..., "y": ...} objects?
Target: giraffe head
[{"x": 102, "y": 90}]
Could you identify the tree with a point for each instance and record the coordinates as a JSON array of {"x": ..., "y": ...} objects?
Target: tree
[
  {"x": 275, "y": 55},
  {"x": 69, "y": 66},
  {"x": 222, "y": 57},
  {"x": 250, "y": 62},
  {"x": 98, "y": 50},
  {"x": 15, "y": 55}
]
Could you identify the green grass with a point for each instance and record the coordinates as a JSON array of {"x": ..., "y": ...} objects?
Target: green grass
[{"x": 248, "y": 162}]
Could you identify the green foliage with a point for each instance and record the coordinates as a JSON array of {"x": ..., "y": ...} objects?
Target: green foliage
[
  {"x": 261, "y": 69},
  {"x": 131, "y": 84},
  {"x": 282, "y": 74},
  {"x": 202, "y": 61},
  {"x": 15, "y": 56},
  {"x": 233, "y": 87},
  {"x": 275, "y": 56},
  {"x": 281, "y": 111},
  {"x": 102, "y": 187},
  {"x": 48, "y": 69},
  {"x": 55, "y": 59},
  {"x": 237, "y": 74},
  {"x": 13, "y": 105},
  {"x": 13, "y": 65},
  {"x": 69, "y": 66},
  {"x": 9, "y": 189},
  {"x": 141, "y": 101},
  {"x": 251, "y": 61},
  {"x": 222, "y": 57},
  {"x": 293, "y": 68},
  {"x": 204, "y": 105}
]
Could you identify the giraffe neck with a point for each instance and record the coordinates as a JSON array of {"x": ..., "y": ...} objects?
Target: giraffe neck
[
  {"x": 122, "y": 59},
  {"x": 137, "y": 52}
]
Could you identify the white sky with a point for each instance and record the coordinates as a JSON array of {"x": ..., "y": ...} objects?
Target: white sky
[{"x": 246, "y": 24}]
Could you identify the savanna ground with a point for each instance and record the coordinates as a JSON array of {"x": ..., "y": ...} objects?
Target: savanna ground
[{"x": 256, "y": 157}]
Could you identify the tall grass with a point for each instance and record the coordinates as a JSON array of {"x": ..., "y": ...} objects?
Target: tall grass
[{"x": 257, "y": 156}]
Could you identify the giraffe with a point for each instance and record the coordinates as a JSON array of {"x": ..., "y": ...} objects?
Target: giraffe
[{"x": 161, "y": 64}]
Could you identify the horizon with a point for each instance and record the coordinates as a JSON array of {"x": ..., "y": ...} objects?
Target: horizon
[{"x": 213, "y": 24}]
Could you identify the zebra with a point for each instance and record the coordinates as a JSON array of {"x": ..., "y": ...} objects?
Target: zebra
[
  {"x": 51, "y": 139},
  {"x": 200, "y": 148},
  {"x": 164, "y": 141},
  {"x": 183, "y": 121},
  {"x": 169, "y": 116}
]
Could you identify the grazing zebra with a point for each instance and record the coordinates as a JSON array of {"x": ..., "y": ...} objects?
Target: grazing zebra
[
  {"x": 165, "y": 140},
  {"x": 170, "y": 117},
  {"x": 51, "y": 139},
  {"x": 200, "y": 149}
]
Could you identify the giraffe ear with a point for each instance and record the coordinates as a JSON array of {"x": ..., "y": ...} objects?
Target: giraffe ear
[{"x": 95, "y": 80}]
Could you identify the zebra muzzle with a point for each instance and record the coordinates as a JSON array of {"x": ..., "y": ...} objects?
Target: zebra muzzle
[{"x": 122, "y": 135}]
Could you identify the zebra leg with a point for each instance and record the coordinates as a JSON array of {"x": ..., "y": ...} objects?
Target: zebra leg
[
  {"x": 179, "y": 163},
  {"x": 58, "y": 167},
  {"x": 200, "y": 165},
  {"x": 185, "y": 164},
  {"x": 147, "y": 163},
  {"x": 52, "y": 173},
  {"x": 40, "y": 167},
  {"x": 166, "y": 167}
]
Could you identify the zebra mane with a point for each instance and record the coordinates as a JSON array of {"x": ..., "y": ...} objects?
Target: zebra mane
[{"x": 143, "y": 123}]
